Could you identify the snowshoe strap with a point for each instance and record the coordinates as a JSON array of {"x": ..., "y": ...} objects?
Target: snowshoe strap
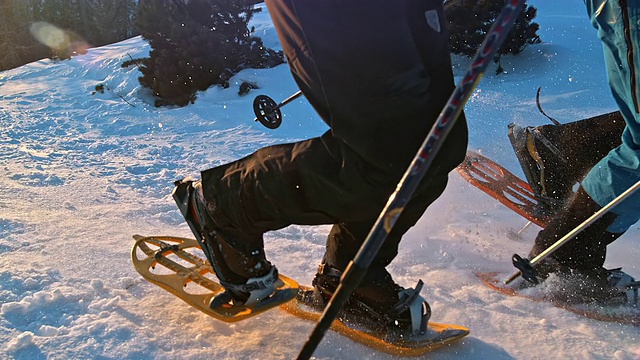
[
  {"x": 258, "y": 288},
  {"x": 411, "y": 300},
  {"x": 632, "y": 292},
  {"x": 546, "y": 142},
  {"x": 329, "y": 270},
  {"x": 189, "y": 198},
  {"x": 626, "y": 284},
  {"x": 533, "y": 152}
]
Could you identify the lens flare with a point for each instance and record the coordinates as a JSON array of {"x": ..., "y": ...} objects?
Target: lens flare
[
  {"x": 50, "y": 35},
  {"x": 58, "y": 39}
]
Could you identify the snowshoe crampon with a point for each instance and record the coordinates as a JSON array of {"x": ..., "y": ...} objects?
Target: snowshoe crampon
[
  {"x": 437, "y": 335},
  {"x": 178, "y": 265}
]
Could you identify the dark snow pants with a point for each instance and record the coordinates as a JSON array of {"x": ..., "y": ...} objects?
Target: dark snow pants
[{"x": 379, "y": 73}]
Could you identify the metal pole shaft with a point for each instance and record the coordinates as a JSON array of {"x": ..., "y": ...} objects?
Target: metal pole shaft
[{"x": 289, "y": 99}]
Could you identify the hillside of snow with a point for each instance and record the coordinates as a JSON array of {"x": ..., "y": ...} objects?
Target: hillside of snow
[{"x": 81, "y": 172}]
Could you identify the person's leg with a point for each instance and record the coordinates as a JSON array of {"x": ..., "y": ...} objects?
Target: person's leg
[
  {"x": 378, "y": 72},
  {"x": 377, "y": 289},
  {"x": 305, "y": 183},
  {"x": 620, "y": 169},
  {"x": 346, "y": 176},
  {"x": 616, "y": 172},
  {"x": 586, "y": 252},
  {"x": 317, "y": 181}
]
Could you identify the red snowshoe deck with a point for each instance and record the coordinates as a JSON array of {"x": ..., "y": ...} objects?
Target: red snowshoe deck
[
  {"x": 178, "y": 266},
  {"x": 502, "y": 185}
]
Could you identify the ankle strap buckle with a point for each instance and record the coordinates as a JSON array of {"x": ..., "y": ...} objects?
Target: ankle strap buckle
[{"x": 326, "y": 269}]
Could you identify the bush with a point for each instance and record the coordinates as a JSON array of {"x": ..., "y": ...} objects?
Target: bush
[
  {"x": 196, "y": 44},
  {"x": 470, "y": 20}
]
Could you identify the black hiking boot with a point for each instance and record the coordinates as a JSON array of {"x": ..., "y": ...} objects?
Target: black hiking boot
[
  {"x": 246, "y": 275},
  {"x": 588, "y": 248},
  {"x": 579, "y": 262},
  {"x": 382, "y": 306},
  {"x": 554, "y": 158}
]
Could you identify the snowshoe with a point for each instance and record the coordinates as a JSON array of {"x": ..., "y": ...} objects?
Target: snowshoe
[
  {"x": 177, "y": 265},
  {"x": 362, "y": 321},
  {"x": 615, "y": 301},
  {"x": 606, "y": 287},
  {"x": 382, "y": 306}
]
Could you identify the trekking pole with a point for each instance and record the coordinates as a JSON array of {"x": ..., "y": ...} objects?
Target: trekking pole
[
  {"x": 357, "y": 268},
  {"x": 526, "y": 266}
]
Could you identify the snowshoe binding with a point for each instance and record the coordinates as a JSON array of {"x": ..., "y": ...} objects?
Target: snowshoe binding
[
  {"x": 382, "y": 307},
  {"x": 541, "y": 162},
  {"x": 248, "y": 278},
  {"x": 382, "y": 315}
]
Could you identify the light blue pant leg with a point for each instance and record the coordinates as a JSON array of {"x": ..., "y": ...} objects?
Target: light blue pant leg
[{"x": 620, "y": 169}]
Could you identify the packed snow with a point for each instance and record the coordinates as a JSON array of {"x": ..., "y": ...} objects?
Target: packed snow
[{"x": 82, "y": 171}]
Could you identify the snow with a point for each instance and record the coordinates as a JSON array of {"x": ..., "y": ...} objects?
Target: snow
[{"x": 83, "y": 172}]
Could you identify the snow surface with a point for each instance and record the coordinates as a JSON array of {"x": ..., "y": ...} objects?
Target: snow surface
[{"x": 82, "y": 172}]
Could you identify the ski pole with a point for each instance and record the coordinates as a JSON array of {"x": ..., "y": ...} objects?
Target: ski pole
[
  {"x": 357, "y": 268},
  {"x": 590, "y": 220},
  {"x": 290, "y": 99}
]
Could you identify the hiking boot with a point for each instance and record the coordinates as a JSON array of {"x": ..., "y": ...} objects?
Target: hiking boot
[
  {"x": 581, "y": 259},
  {"x": 588, "y": 248},
  {"x": 556, "y": 157},
  {"x": 246, "y": 275},
  {"x": 381, "y": 306}
]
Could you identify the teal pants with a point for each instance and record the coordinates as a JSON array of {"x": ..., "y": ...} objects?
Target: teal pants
[{"x": 618, "y": 25}]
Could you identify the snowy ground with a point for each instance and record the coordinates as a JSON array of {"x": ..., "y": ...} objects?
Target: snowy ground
[{"x": 81, "y": 173}]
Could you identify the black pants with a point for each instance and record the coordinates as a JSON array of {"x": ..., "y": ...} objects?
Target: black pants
[{"x": 379, "y": 74}]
